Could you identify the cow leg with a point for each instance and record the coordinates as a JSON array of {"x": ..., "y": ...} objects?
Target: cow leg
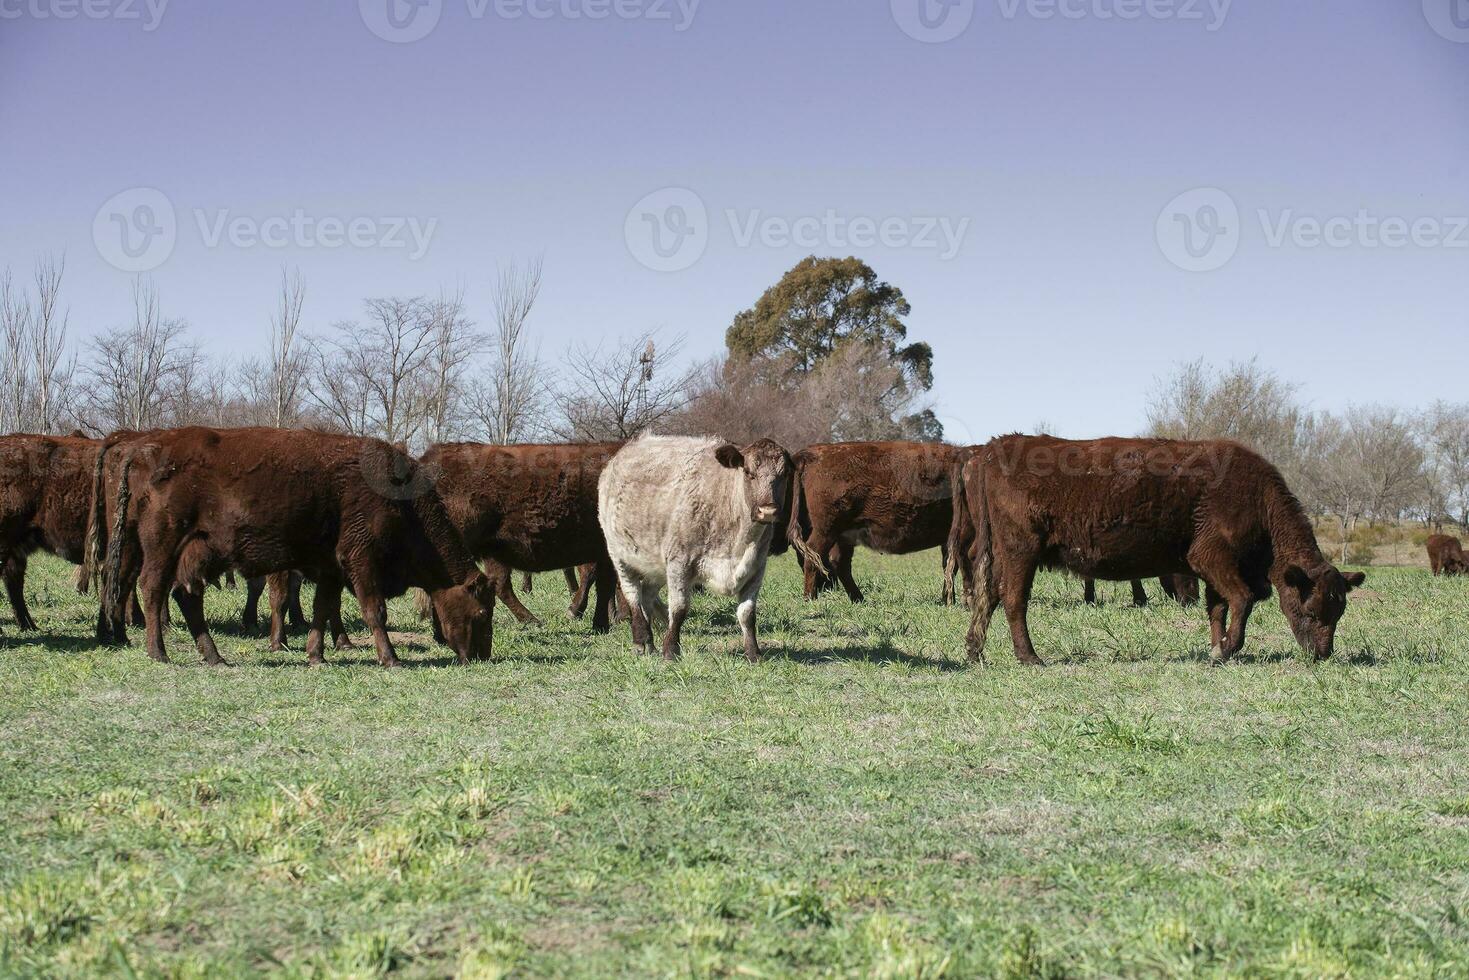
[
  {"x": 135, "y": 609},
  {"x": 229, "y": 578},
  {"x": 326, "y": 613},
  {"x": 1218, "y": 617},
  {"x": 295, "y": 616},
  {"x": 842, "y": 560},
  {"x": 745, "y": 613},
  {"x": 583, "y": 590},
  {"x": 1016, "y": 582},
  {"x": 250, "y": 615},
  {"x": 499, "y": 575},
  {"x": 15, "y": 588},
  {"x": 1089, "y": 591},
  {"x": 1139, "y": 595},
  {"x": 192, "y": 606},
  {"x": 280, "y": 586},
  {"x": 815, "y": 582},
  {"x": 374, "y": 615},
  {"x": 154, "y": 583},
  {"x": 605, "y": 579},
  {"x": 634, "y": 590},
  {"x": 678, "y": 609}
]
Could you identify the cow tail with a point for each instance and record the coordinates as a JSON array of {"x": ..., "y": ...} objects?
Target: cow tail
[
  {"x": 111, "y": 590},
  {"x": 954, "y": 545},
  {"x": 794, "y": 536},
  {"x": 95, "y": 549},
  {"x": 975, "y": 501}
]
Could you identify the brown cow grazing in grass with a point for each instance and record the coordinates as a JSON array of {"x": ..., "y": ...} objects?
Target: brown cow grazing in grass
[
  {"x": 189, "y": 503},
  {"x": 1182, "y": 589},
  {"x": 1446, "y": 555},
  {"x": 1121, "y": 509},
  {"x": 893, "y": 497},
  {"x": 528, "y": 507}
]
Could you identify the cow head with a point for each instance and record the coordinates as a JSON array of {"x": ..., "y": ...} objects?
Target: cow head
[
  {"x": 1455, "y": 565},
  {"x": 767, "y": 477},
  {"x": 464, "y": 613},
  {"x": 1314, "y": 601}
]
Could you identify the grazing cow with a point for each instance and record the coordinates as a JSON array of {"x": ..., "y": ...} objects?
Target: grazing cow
[
  {"x": 893, "y": 497},
  {"x": 189, "y": 503},
  {"x": 1122, "y": 509},
  {"x": 1446, "y": 555},
  {"x": 1182, "y": 589},
  {"x": 690, "y": 512},
  {"x": 45, "y": 493},
  {"x": 532, "y": 508}
]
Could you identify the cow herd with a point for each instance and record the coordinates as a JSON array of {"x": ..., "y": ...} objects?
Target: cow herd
[{"x": 160, "y": 514}]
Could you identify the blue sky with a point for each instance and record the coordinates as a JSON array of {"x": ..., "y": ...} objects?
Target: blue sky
[{"x": 1033, "y": 184}]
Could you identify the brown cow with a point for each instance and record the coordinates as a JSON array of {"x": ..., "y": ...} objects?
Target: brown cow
[
  {"x": 893, "y": 497},
  {"x": 1182, "y": 589},
  {"x": 528, "y": 507},
  {"x": 1122, "y": 509},
  {"x": 45, "y": 490},
  {"x": 189, "y": 503},
  {"x": 1446, "y": 555}
]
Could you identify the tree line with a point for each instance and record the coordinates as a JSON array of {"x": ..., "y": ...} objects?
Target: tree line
[
  {"x": 822, "y": 356},
  {"x": 1370, "y": 462}
]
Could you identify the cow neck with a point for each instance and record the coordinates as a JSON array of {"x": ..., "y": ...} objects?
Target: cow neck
[
  {"x": 448, "y": 552},
  {"x": 1292, "y": 540}
]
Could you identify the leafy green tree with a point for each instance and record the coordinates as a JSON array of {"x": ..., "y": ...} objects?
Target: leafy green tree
[{"x": 826, "y": 305}]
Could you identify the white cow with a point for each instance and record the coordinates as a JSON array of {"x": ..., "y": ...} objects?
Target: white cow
[{"x": 688, "y": 512}]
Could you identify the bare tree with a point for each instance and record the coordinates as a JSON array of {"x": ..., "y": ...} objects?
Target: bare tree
[
  {"x": 368, "y": 378},
  {"x": 288, "y": 363},
  {"x": 1444, "y": 429},
  {"x": 453, "y": 344},
  {"x": 1244, "y": 402},
  {"x": 135, "y": 371},
  {"x": 510, "y": 404},
  {"x": 15, "y": 332},
  {"x": 620, "y": 389},
  {"x": 1364, "y": 464}
]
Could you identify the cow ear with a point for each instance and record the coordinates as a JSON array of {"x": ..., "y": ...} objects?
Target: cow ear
[
  {"x": 1355, "y": 579},
  {"x": 730, "y": 457},
  {"x": 1299, "y": 579}
]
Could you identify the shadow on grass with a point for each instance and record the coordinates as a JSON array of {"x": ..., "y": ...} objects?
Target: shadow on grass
[{"x": 882, "y": 653}]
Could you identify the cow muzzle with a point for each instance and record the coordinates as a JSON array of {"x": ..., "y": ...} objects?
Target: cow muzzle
[{"x": 766, "y": 515}]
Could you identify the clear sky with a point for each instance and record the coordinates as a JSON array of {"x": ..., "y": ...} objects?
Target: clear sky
[{"x": 1020, "y": 180}]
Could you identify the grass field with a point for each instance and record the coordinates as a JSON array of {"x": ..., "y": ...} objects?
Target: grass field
[{"x": 861, "y": 804}]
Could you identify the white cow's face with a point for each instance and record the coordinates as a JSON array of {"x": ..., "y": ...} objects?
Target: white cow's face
[{"x": 766, "y": 468}]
